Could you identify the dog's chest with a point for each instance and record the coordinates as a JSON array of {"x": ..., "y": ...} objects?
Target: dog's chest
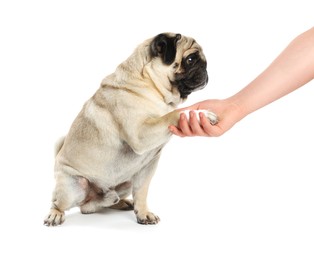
[{"x": 127, "y": 164}]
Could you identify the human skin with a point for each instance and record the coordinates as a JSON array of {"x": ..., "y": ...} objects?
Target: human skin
[{"x": 293, "y": 68}]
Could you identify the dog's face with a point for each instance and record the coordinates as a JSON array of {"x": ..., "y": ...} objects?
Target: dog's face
[{"x": 184, "y": 58}]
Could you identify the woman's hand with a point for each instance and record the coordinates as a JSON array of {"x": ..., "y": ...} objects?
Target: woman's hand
[{"x": 228, "y": 114}]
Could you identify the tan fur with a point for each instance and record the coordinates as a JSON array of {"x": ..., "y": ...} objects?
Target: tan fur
[{"x": 117, "y": 137}]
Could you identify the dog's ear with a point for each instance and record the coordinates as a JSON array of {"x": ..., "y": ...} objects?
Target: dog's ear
[{"x": 165, "y": 46}]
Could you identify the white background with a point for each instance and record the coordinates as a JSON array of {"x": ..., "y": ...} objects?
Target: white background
[{"x": 245, "y": 195}]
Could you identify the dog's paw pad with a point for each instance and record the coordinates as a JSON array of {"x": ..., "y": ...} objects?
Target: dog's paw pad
[{"x": 147, "y": 218}]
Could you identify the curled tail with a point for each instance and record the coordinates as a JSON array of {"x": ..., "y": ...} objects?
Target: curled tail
[{"x": 59, "y": 145}]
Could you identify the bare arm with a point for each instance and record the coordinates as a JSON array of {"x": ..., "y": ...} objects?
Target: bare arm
[
  {"x": 290, "y": 70},
  {"x": 293, "y": 68}
]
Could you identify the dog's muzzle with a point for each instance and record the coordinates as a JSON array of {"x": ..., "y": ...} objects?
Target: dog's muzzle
[{"x": 194, "y": 80}]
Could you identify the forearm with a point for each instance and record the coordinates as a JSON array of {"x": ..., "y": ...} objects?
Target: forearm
[{"x": 293, "y": 68}]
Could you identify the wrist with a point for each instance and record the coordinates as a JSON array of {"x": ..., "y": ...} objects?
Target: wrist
[{"x": 236, "y": 108}]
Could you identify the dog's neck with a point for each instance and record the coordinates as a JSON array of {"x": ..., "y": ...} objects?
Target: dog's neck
[
  {"x": 146, "y": 69},
  {"x": 161, "y": 83}
]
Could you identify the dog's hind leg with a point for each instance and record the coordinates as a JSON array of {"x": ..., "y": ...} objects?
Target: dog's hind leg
[
  {"x": 123, "y": 204},
  {"x": 69, "y": 192},
  {"x": 124, "y": 190},
  {"x": 98, "y": 199},
  {"x": 114, "y": 198}
]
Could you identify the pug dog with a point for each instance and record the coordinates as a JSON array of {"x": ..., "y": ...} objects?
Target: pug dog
[{"x": 113, "y": 146}]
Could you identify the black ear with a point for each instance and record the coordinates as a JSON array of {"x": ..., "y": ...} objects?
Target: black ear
[{"x": 165, "y": 47}]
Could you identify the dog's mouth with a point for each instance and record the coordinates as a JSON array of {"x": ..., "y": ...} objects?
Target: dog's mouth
[{"x": 192, "y": 82}]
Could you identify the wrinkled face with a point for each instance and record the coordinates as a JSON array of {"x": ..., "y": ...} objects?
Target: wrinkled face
[{"x": 186, "y": 59}]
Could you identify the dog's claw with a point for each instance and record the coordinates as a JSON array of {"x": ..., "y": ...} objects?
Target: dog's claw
[
  {"x": 147, "y": 219},
  {"x": 212, "y": 117},
  {"x": 55, "y": 218}
]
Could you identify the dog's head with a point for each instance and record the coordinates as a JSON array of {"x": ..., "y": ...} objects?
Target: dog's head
[{"x": 184, "y": 60}]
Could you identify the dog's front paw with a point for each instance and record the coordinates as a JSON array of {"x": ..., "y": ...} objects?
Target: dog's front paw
[
  {"x": 54, "y": 218},
  {"x": 146, "y": 218}
]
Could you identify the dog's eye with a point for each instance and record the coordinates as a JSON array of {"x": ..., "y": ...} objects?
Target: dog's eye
[{"x": 191, "y": 59}]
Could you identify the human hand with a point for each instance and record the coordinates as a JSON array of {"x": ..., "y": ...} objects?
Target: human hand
[{"x": 228, "y": 114}]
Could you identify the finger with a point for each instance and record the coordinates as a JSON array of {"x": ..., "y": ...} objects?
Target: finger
[
  {"x": 184, "y": 125},
  {"x": 176, "y": 131},
  {"x": 195, "y": 125}
]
